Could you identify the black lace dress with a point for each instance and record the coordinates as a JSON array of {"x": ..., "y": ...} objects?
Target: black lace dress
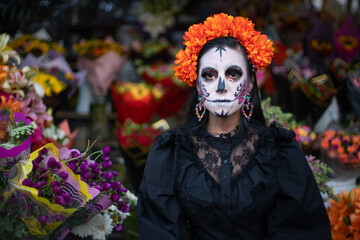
[{"x": 252, "y": 183}]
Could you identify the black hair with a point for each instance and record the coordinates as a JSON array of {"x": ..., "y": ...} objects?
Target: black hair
[{"x": 191, "y": 118}]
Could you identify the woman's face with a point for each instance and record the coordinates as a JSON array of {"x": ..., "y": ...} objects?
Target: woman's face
[{"x": 223, "y": 80}]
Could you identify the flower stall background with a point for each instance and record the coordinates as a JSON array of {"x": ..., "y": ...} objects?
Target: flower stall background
[{"x": 86, "y": 88}]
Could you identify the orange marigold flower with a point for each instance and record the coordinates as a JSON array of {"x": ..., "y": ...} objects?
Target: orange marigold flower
[
  {"x": 258, "y": 47},
  {"x": 351, "y": 149},
  {"x": 336, "y": 142},
  {"x": 329, "y": 133},
  {"x": 341, "y": 149}
]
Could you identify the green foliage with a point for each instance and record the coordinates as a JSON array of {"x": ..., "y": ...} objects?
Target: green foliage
[{"x": 275, "y": 113}]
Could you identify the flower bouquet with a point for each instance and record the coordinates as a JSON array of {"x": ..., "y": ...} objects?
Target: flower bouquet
[
  {"x": 347, "y": 40},
  {"x": 305, "y": 137},
  {"x": 56, "y": 77},
  {"x": 102, "y": 59},
  {"x": 30, "y": 44},
  {"x": 135, "y": 142},
  {"x": 15, "y": 140},
  {"x": 152, "y": 51},
  {"x": 344, "y": 215},
  {"x": 319, "y": 41},
  {"x": 342, "y": 147},
  {"x": 136, "y": 101},
  {"x": 311, "y": 92},
  {"x": 54, "y": 191},
  {"x": 175, "y": 92},
  {"x": 18, "y": 84}
]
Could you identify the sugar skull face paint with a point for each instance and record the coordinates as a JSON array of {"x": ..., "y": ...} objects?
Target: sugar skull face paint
[{"x": 223, "y": 80}]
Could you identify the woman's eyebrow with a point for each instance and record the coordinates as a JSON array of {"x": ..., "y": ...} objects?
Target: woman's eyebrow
[
  {"x": 208, "y": 69},
  {"x": 236, "y": 67}
]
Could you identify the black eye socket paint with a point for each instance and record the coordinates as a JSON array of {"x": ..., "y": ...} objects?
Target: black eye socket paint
[
  {"x": 209, "y": 74},
  {"x": 234, "y": 73},
  {"x": 220, "y": 49}
]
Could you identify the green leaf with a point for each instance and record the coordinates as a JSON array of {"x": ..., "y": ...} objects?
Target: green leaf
[{"x": 5, "y": 224}]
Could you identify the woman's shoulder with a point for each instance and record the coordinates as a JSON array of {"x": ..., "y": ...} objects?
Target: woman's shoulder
[
  {"x": 286, "y": 150},
  {"x": 278, "y": 133}
]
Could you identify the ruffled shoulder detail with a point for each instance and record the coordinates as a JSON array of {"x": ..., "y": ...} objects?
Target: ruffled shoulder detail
[
  {"x": 167, "y": 137},
  {"x": 261, "y": 172},
  {"x": 280, "y": 133}
]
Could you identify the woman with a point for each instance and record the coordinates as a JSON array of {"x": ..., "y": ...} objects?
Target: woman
[{"x": 225, "y": 174}]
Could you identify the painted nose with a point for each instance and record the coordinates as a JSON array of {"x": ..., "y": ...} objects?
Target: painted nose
[{"x": 221, "y": 86}]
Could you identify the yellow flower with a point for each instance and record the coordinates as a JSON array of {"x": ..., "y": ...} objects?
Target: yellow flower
[
  {"x": 37, "y": 47},
  {"x": 69, "y": 76},
  {"x": 50, "y": 83},
  {"x": 18, "y": 42},
  {"x": 57, "y": 47},
  {"x": 95, "y": 47},
  {"x": 157, "y": 93},
  {"x": 348, "y": 42}
]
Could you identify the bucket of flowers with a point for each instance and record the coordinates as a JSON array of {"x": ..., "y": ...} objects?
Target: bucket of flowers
[
  {"x": 344, "y": 215},
  {"x": 136, "y": 101},
  {"x": 175, "y": 92},
  {"x": 53, "y": 192},
  {"x": 341, "y": 147},
  {"x": 135, "y": 141}
]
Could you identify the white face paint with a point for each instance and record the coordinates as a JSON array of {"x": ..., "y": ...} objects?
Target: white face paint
[{"x": 223, "y": 80}]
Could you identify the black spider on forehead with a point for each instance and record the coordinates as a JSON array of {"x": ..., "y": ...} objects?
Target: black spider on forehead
[{"x": 220, "y": 49}]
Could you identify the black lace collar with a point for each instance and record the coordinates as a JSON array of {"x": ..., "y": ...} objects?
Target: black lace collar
[{"x": 228, "y": 134}]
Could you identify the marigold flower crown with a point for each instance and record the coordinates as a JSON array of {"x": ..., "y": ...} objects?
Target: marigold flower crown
[{"x": 258, "y": 47}]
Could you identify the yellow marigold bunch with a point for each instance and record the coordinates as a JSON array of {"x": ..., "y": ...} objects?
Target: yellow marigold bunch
[
  {"x": 50, "y": 83},
  {"x": 139, "y": 90},
  {"x": 258, "y": 47},
  {"x": 97, "y": 47}
]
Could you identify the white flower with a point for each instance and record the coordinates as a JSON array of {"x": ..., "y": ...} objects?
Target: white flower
[
  {"x": 131, "y": 198},
  {"x": 104, "y": 228},
  {"x": 88, "y": 228}
]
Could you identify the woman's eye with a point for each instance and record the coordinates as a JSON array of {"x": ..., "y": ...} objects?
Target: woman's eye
[
  {"x": 233, "y": 74},
  {"x": 209, "y": 75}
]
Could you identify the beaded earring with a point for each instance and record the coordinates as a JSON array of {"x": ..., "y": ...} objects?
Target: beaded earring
[
  {"x": 200, "y": 106},
  {"x": 248, "y": 105}
]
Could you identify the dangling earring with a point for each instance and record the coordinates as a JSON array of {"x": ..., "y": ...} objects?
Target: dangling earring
[
  {"x": 248, "y": 105},
  {"x": 200, "y": 106}
]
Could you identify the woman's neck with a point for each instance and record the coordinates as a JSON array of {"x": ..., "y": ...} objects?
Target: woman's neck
[{"x": 220, "y": 125}]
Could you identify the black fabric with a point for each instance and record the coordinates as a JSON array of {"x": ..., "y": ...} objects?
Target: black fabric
[{"x": 256, "y": 185}]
